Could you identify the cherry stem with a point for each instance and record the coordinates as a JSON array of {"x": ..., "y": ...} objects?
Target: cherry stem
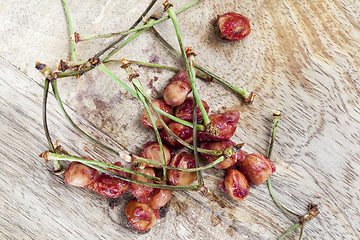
[
  {"x": 137, "y": 83},
  {"x": 132, "y": 27},
  {"x": 210, "y": 165},
  {"x": 276, "y": 118},
  {"x": 196, "y": 154},
  {"x": 57, "y": 164},
  {"x": 126, "y": 42},
  {"x": 58, "y": 100},
  {"x": 249, "y": 97},
  {"x": 189, "y": 65},
  {"x": 100, "y": 166},
  {"x": 60, "y": 157},
  {"x": 292, "y": 228},
  {"x": 104, "y": 69},
  {"x": 71, "y": 32},
  {"x": 154, "y": 65},
  {"x": 83, "y": 37}
]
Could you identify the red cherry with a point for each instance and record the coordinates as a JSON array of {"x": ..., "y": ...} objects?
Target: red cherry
[
  {"x": 257, "y": 168},
  {"x": 140, "y": 215},
  {"x": 80, "y": 175},
  {"x": 177, "y": 90},
  {"x": 182, "y": 160},
  {"x": 145, "y": 120},
  {"x": 236, "y": 184},
  {"x": 234, "y": 26},
  {"x": 185, "y": 111}
]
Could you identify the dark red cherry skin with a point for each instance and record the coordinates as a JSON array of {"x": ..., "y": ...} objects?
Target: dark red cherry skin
[
  {"x": 234, "y": 26},
  {"x": 183, "y": 132},
  {"x": 241, "y": 156},
  {"x": 221, "y": 145},
  {"x": 185, "y": 111},
  {"x": 110, "y": 186},
  {"x": 236, "y": 184},
  {"x": 177, "y": 90},
  {"x": 80, "y": 175},
  {"x": 151, "y": 151},
  {"x": 140, "y": 215},
  {"x": 225, "y": 122},
  {"x": 257, "y": 168},
  {"x": 145, "y": 120},
  {"x": 182, "y": 160},
  {"x": 138, "y": 190}
]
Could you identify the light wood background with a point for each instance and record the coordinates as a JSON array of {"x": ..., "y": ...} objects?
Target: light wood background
[{"x": 302, "y": 58}]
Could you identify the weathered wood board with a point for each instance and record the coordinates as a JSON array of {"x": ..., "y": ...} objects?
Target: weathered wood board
[{"x": 302, "y": 58}]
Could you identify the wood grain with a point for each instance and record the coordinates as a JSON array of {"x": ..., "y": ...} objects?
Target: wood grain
[{"x": 302, "y": 57}]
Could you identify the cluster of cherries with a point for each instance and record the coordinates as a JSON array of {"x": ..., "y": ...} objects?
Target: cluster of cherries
[{"x": 241, "y": 168}]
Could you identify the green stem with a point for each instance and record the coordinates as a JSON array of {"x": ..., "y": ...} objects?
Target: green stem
[
  {"x": 196, "y": 154},
  {"x": 57, "y": 164},
  {"x": 276, "y": 118},
  {"x": 302, "y": 230},
  {"x": 84, "y": 37},
  {"x": 249, "y": 97},
  {"x": 210, "y": 165},
  {"x": 137, "y": 84},
  {"x": 71, "y": 32},
  {"x": 58, "y": 157},
  {"x": 132, "y": 27},
  {"x": 58, "y": 100},
  {"x": 126, "y": 42},
  {"x": 292, "y": 228},
  {"x": 104, "y": 69},
  {"x": 154, "y": 65},
  {"x": 188, "y": 65},
  {"x": 102, "y": 167}
]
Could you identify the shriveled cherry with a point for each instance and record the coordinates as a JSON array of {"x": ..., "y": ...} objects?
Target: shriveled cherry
[
  {"x": 225, "y": 122},
  {"x": 234, "y": 26},
  {"x": 110, "y": 186},
  {"x": 151, "y": 151},
  {"x": 140, "y": 215},
  {"x": 219, "y": 146},
  {"x": 182, "y": 131},
  {"x": 140, "y": 190},
  {"x": 236, "y": 184},
  {"x": 80, "y": 175},
  {"x": 182, "y": 160},
  {"x": 177, "y": 90},
  {"x": 185, "y": 111},
  {"x": 145, "y": 120},
  {"x": 257, "y": 168},
  {"x": 241, "y": 155}
]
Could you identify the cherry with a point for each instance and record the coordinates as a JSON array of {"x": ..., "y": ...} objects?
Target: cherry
[
  {"x": 177, "y": 90},
  {"x": 80, "y": 175},
  {"x": 182, "y": 131},
  {"x": 234, "y": 26},
  {"x": 185, "y": 110},
  {"x": 182, "y": 160},
  {"x": 110, "y": 186},
  {"x": 241, "y": 156},
  {"x": 151, "y": 151},
  {"x": 145, "y": 120},
  {"x": 140, "y": 215},
  {"x": 219, "y": 146},
  {"x": 257, "y": 168},
  {"x": 140, "y": 190},
  {"x": 236, "y": 184},
  {"x": 225, "y": 122}
]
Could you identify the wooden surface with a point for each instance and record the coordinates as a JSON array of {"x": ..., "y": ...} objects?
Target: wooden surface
[{"x": 302, "y": 58}]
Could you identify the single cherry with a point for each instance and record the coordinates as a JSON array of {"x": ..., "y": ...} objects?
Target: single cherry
[
  {"x": 140, "y": 190},
  {"x": 151, "y": 151},
  {"x": 236, "y": 184},
  {"x": 234, "y": 26},
  {"x": 177, "y": 90},
  {"x": 110, "y": 186},
  {"x": 80, "y": 175},
  {"x": 257, "y": 168},
  {"x": 182, "y": 160},
  {"x": 219, "y": 146},
  {"x": 140, "y": 215},
  {"x": 225, "y": 122}
]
